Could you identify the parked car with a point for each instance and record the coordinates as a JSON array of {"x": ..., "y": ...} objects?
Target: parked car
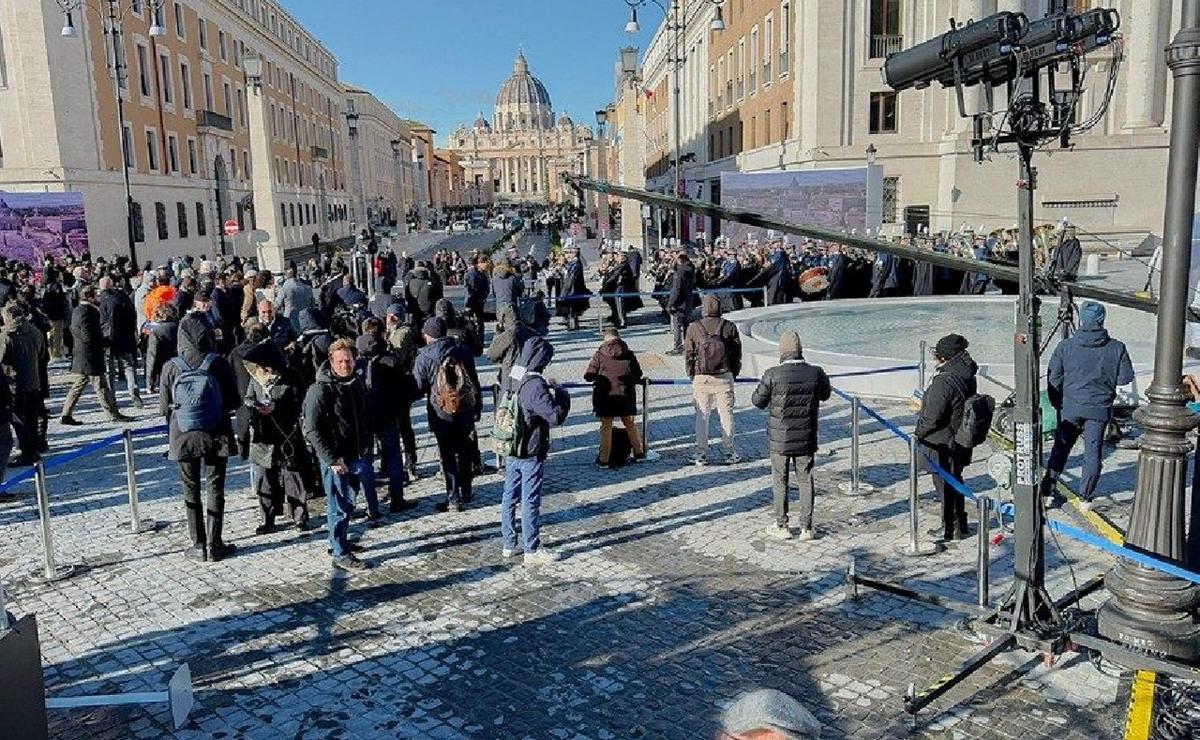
[{"x": 460, "y": 226}]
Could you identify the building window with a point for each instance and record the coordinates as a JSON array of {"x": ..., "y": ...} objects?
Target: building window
[
  {"x": 292, "y": 210},
  {"x": 143, "y": 71},
  {"x": 768, "y": 39},
  {"x": 201, "y": 224},
  {"x": 181, "y": 216},
  {"x": 164, "y": 69},
  {"x": 152, "y": 150},
  {"x": 241, "y": 216},
  {"x": 221, "y": 45},
  {"x": 158, "y": 17},
  {"x": 185, "y": 84},
  {"x": 767, "y": 127},
  {"x": 246, "y": 164},
  {"x": 785, "y": 38},
  {"x": 785, "y": 124},
  {"x": 241, "y": 107},
  {"x": 180, "y": 29},
  {"x": 208, "y": 93},
  {"x": 729, "y": 79},
  {"x": 753, "y": 60},
  {"x": 885, "y": 28},
  {"x": 741, "y": 69},
  {"x": 173, "y": 153},
  {"x": 721, "y": 144},
  {"x": 228, "y": 99},
  {"x": 192, "y": 159},
  {"x": 139, "y": 223},
  {"x": 883, "y": 113},
  {"x": 160, "y": 220},
  {"x": 283, "y": 214},
  {"x": 233, "y": 162},
  {"x": 127, "y": 145},
  {"x": 891, "y": 199},
  {"x": 203, "y": 34}
]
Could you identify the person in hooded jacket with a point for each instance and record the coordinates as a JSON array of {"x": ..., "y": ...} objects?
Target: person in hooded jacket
[
  {"x": 276, "y": 451},
  {"x": 421, "y": 293},
  {"x": 453, "y": 432},
  {"x": 506, "y": 286},
  {"x": 198, "y": 449},
  {"x": 337, "y": 425},
  {"x": 941, "y": 414},
  {"x": 458, "y": 327},
  {"x": 615, "y": 374},
  {"x": 23, "y": 351},
  {"x": 162, "y": 342},
  {"x": 387, "y": 384},
  {"x": 1085, "y": 371},
  {"x": 87, "y": 360},
  {"x": 544, "y": 405},
  {"x": 511, "y": 335},
  {"x": 792, "y": 393},
  {"x": 713, "y": 377}
]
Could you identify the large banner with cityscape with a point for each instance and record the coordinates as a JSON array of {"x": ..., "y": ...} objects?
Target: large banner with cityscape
[
  {"x": 830, "y": 198},
  {"x": 37, "y": 225}
]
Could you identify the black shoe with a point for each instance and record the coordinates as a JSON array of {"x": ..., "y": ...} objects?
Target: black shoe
[
  {"x": 374, "y": 519},
  {"x": 940, "y": 535},
  {"x": 673, "y": 351},
  {"x": 121, "y": 418},
  {"x": 266, "y": 528},
  {"x": 197, "y": 553},
  {"x": 24, "y": 460},
  {"x": 70, "y": 421},
  {"x": 401, "y": 505},
  {"x": 220, "y": 551},
  {"x": 351, "y": 547},
  {"x": 303, "y": 525},
  {"x": 601, "y": 464},
  {"x": 486, "y": 470},
  {"x": 446, "y": 506},
  {"x": 351, "y": 564}
]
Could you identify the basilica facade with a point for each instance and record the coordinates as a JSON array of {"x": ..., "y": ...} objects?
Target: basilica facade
[{"x": 520, "y": 154}]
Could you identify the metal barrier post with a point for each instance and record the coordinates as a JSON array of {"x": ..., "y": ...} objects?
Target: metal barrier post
[
  {"x": 52, "y": 571},
  {"x": 137, "y": 525},
  {"x": 855, "y": 487},
  {"x": 921, "y": 365},
  {"x": 646, "y": 413},
  {"x": 915, "y": 547},
  {"x": 3, "y": 610},
  {"x": 981, "y": 572}
]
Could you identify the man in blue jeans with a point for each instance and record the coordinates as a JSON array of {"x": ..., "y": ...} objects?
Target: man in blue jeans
[
  {"x": 1085, "y": 371},
  {"x": 337, "y": 424},
  {"x": 542, "y": 405}
]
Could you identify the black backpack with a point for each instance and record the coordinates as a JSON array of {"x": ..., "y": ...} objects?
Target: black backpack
[
  {"x": 976, "y": 421},
  {"x": 710, "y": 352}
]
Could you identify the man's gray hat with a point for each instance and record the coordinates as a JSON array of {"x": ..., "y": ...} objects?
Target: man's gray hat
[{"x": 765, "y": 709}]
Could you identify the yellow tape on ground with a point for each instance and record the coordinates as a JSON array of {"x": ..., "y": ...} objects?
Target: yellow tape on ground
[{"x": 1141, "y": 706}]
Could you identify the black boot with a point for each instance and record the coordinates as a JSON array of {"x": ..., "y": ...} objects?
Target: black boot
[{"x": 217, "y": 549}]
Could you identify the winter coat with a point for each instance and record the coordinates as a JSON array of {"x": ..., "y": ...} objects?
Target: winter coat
[
  {"x": 779, "y": 285},
  {"x": 543, "y": 406},
  {"x": 23, "y": 349},
  {"x": 55, "y": 303},
  {"x": 161, "y": 347},
  {"x": 575, "y": 290},
  {"x": 196, "y": 341},
  {"x": 118, "y": 321},
  {"x": 791, "y": 393},
  {"x": 337, "y": 421},
  {"x": 712, "y": 324},
  {"x": 87, "y": 357},
  {"x": 425, "y": 370},
  {"x": 508, "y": 289},
  {"x": 477, "y": 285},
  {"x": 281, "y": 331},
  {"x": 422, "y": 292},
  {"x": 350, "y": 296},
  {"x": 387, "y": 383},
  {"x": 277, "y": 438},
  {"x": 295, "y": 296},
  {"x": 382, "y": 301},
  {"x": 1085, "y": 371},
  {"x": 683, "y": 289},
  {"x": 943, "y": 402},
  {"x": 614, "y": 373},
  {"x": 506, "y": 346},
  {"x": 1067, "y": 257}
]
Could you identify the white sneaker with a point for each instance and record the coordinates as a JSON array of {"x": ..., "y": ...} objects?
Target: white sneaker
[
  {"x": 540, "y": 556},
  {"x": 782, "y": 533},
  {"x": 732, "y": 458},
  {"x": 806, "y": 535},
  {"x": 508, "y": 553},
  {"x": 699, "y": 460},
  {"x": 1086, "y": 505}
]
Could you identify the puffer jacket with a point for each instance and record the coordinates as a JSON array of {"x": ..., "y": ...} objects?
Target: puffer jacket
[
  {"x": 196, "y": 340},
  {"x": 337, "y": 420},
  {"x": 791, "y": 393},
  {"x": 1085, "y": 371},
  {"x": 943, "y": 402},
  {"x": 614, "y": 373}
]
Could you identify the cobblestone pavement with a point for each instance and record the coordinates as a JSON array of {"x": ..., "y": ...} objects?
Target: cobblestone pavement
[{"x": 670, "y": 599}]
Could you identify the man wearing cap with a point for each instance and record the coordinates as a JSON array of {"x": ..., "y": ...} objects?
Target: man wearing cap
[
  {"x": 941, "y": 413},
  {"x": 792, "y": 393},
  {"x": 1082, "y": 381},
  {"x": 767, "y": 714},
  {"x": 453, "y": 431}
]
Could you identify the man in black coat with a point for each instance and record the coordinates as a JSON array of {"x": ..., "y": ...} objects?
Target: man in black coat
[
  {"x": 23, "y": 352},
  {"x": 573, "y": 299},
  {"x": 87, "y": 360},
  {"x": 200, "y": 445},
  {"x": 421, "y": 294},
  {"x": 941, "y": 414},
  {"x": 477, "y": 286},
  {"x": 681, "y": 301},
  {"x": 792, "y": 393},
  {"x": 1064, "y": 264},
  {"x": 118, "y": 324}
]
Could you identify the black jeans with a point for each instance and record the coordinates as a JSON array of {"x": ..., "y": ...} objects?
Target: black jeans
[
  {"x": 407, "y": 436},
  {"x": 954, "y": 514},
  {"x": 29, "y": 408},
  {"x": 204, "y": 520},
  {"x": 458, "y": 456}
]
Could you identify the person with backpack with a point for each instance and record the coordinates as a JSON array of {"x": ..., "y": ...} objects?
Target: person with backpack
[
  {"x": 386, "y": 382},
  {"x": 275, "y": 448},
  {"x": 1085, "y": 371},
  {"x": 506, "y": 286},
  {"x": 792, "y": 393},
  {"x": 941, "y": 430},
  {"x": 615, "y": 374},
  {"x": 511, "y": 335},
  {"x": 87, "y": 361},
  {"x": 713, "y": 358},
  {"x": 197, "y": 394},
  {"x": 445, "y": 375},
  {"x": 337, "y": 426},
  {"x": 537, "y": 405}
]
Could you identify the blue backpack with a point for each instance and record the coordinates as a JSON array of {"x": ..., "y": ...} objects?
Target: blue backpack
[{"x": 196, "y": 397}]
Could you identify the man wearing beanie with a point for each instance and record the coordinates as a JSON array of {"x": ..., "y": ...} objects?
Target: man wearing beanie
[
  {"x": 768, "y": 714},
  {"x": 445, "y": 369},
  {"x": 1084, "y": 373},
  {"x": 713, "y": 356},
  {"x": 941, "y": 413},
  {"x": 792, "y": 393}
]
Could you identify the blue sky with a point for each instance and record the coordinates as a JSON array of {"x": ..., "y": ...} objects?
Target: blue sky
[{"x": 443, "y": 61}]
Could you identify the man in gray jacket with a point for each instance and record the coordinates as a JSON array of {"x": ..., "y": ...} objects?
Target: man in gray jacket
[{"x": 294, "y": 296}]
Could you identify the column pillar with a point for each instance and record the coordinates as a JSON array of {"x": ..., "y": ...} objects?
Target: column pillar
[
  {"x": 1144, "y": 76},
  {"x": 268, "y": 238}
]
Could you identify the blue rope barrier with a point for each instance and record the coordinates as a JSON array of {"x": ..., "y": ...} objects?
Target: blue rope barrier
[
  {"x": 21, "y": 477},
  {"x": 62, "y": 459}
]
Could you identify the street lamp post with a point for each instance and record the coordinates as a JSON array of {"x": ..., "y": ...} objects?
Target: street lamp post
[
  {"x": 677, "y": 25},
  {"x": 112, "y": 15}
]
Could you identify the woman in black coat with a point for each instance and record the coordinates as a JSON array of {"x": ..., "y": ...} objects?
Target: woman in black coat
[
  {"x": 574, "y": 299},
  {"x": 615, "y": 374}
]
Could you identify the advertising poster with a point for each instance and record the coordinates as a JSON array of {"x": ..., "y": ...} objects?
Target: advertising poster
[
  {"x": 831, "y": 199},
  {"x": 34, "y": 226}
]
